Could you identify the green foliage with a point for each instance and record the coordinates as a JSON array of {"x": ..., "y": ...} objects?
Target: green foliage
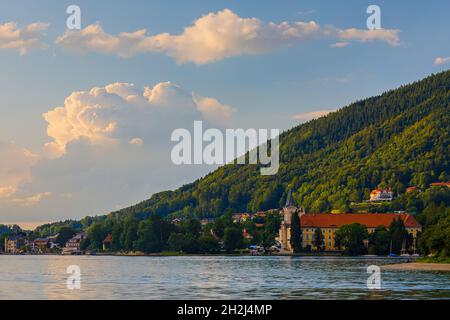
[
  {"x": 221, "y": 224},
  {"x": 97, "y": 232},
  {"x": 379, "y": 242},
  {"x": 148, "y": 239},
  {"x": 54, "y": 228},
  {"x": 351, "y": 238},
  {"x": 296, "y": 233},
  {"x": 208, "y": 244},
  {"x": 233, "y": 239},
  {"x": 129, "y": 233},
  {"x": 177, "y": 242},
  {"x": 272, "y": 223},
  {"x": 64, "y": 235},
  {"x": 436, "y": 239},
  {"x": 399, "y": 236},
  {"x": 318, "y": 239},
  {"x": 191, "y": 226}
]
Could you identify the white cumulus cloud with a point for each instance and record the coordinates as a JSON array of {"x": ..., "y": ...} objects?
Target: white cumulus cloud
[
  {"x": 389, "y": 36},
  {"x": 212, "y": 110},
  {"x": 122, "y": 112},
  {"x": 22, "y": 39},
  {"x": 214, "y": 37},
  {"x": 441, "y": 60}
]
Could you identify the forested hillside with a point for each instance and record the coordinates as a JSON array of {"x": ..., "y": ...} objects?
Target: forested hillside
[{"x": 397, "y": 139}]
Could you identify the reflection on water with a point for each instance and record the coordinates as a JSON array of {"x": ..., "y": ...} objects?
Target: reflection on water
[{"x": 213, "y": 277}]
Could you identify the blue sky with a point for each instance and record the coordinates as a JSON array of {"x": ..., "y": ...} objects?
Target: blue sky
[{"x": 265, "y": 90}]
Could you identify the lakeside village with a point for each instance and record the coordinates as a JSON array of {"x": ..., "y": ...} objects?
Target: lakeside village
[{"x": 323, "y": 232}]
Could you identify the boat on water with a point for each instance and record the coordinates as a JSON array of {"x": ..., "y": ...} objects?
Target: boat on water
[
  {"x": 403, "y": 252},
  {"x": 392, "y": 255}
]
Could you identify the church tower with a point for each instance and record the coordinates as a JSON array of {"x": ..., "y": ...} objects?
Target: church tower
[
  {"x": 289, "y": 200},
  {"x": 289, "y": 209}
]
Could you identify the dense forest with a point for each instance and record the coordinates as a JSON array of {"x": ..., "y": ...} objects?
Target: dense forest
[{"x": 397, "y": 139}]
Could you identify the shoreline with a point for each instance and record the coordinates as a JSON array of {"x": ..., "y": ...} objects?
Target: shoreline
[
  {"x": 222, "y": 254},
  {"x": 418, "y": 266}
]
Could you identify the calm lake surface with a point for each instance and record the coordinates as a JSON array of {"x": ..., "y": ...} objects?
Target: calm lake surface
[{"x": 213, "y": 277}]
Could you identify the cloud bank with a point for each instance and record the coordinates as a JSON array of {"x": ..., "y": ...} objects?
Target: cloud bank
[
  {"x": 108, "y": 147},
  {"x": 214, "y": 37},
  {"x": 15, "y": 167},
  {"x": 16, "y": 170},
  {"x": 122, "y": 112},
  {"x": 22, "y": 39}
]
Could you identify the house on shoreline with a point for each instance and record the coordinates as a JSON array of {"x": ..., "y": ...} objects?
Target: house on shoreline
[
  {"x": 15, "y": 244},
  {"x": 73, "y": 245}
]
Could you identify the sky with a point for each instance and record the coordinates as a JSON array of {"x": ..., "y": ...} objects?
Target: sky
[{"x": 87, "y": 115}]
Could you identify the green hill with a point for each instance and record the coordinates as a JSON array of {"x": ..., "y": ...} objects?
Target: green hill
[{"x": 398, "y": 139}]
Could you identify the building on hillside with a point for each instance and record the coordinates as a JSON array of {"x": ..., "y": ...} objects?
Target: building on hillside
[
  {"x": 247, "y": 235},
  {"x": 330, "y": 223},
  {"x": 240, "y": 217},
  {"x": 441, "y": 184},
  {"x": 107, "y": 243},
  {"x": 381, "y": 195},
  {"x": 73, "y": 245},
  {"x": 412, "y": 189},
  {"x": 260, "y": 214},
  {"x": 40, "y": 245},
  {"x": 176, "y": 221},
  {"x": 206, "y": 221},
  {"x": 15, "y": 244}
]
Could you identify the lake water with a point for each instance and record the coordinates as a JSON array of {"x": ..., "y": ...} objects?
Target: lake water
[{"x": 213, "y": 277}]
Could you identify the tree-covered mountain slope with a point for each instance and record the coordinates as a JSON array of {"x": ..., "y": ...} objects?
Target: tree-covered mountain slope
[{"x": 398, "y": 139}]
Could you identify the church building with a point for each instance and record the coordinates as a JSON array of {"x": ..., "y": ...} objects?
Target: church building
[{"x": 330, "y": 223}]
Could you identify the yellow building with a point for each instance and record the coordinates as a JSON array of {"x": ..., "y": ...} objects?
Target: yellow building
[
  {"x": 330, "y": 223},
  {"x": 14, "y": 244}
]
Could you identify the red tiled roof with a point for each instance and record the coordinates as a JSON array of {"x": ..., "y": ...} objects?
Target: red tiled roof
[
  {"x": 440, "y": 184},
  {"x": 108, "y": 239},
  {"x": 381, "y": 190},
  {"x": 370, "y": 220}
]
